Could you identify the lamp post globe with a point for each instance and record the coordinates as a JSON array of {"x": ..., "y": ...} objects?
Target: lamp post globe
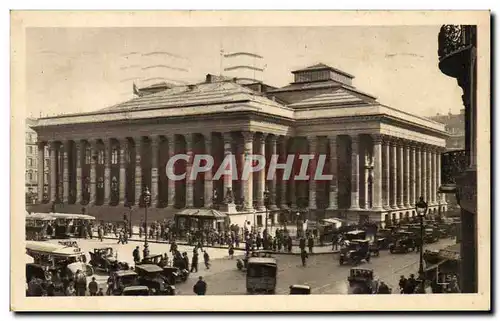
[{"x": 421, "y": 208}]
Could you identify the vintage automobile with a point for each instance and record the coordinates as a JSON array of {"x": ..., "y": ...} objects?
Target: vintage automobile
[
  {"x": 361, "y": 280},
  {"x": 172, "y": 273},
  {"x": 300, "y": 289},
  {"x": 123, "y": 279},
  {"x": 355, "y": 252},
  {"x": 151, "y": 275},
  {"x": 404, "y": 243},
  {"x": 105, "y": 258},
  {"x": 136, "y": 290},
  {"x": 374, "y": 247},
  {"x": 431, "y": 235},
  {"x": 241, "y": 264},
  {"x": 355, "y": 235},
  {"x": 431, "y": 257},
  {"x": 261, "y": 275}
]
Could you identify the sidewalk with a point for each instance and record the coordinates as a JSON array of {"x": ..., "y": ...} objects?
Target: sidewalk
[{"x": 326, "y": 249}]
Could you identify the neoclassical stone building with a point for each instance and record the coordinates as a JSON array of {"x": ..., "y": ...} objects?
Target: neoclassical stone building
[{"x": 382, "y": 159}]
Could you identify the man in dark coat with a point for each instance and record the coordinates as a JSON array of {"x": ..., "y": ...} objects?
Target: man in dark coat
[
  {"x": 310, "y": 243},
  {"x": 206, "y": 258},
  {"x": 200, "y": 288},
  {"x": 402, "y": 283},
  {"x": 303, "y": 256},
  {"x": 194, "y": 262},
  {"x": 93, "y": 287},
  {"x": 137, "y": 255},
  {"x": 302, "y": 244},
  {"x": 289, "y": 244}
]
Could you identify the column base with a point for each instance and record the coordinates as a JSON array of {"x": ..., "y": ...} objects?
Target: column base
[
  {"x": 284, "y": 207},
  {"x": 377, "y": 208},
  {"x": 273, "y": 207},
  {"x": 354, "y": 208},
  {"x": 332, "y": 208},
  {"x": 260, "y": 208},
  {"x": 248, "y": 209}
]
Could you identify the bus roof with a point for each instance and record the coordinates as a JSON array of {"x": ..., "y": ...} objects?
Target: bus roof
[
  {"x": 356, "y": 232},
  {"x": 51, "y": 248},
  {"x": 39, "y": 216},
  {"x": 72, "y": 216},
  {"x": 262, "y": 260}
]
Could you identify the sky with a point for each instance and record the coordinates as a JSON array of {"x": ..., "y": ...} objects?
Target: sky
[{"x": 71, "y": 70}]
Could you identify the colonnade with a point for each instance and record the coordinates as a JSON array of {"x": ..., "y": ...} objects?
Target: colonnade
[{"x": 370, "y": 171}]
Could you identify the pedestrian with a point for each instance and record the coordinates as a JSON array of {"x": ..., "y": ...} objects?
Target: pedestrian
[
  {"x": 140, "y": 232},
  {"x": 120, "y": 238},
  {"x": 80, "y": 283},
  {"x": 70, "y": 289},
  {"x": 410, "y": 285},
  {"x": 137, "y": 255},
  {"x": 383, "y": 288},
  {"x": 302, "y": 244},
  {"x": 402, "y": 283},
  {"x": 93, "y": 287},
  {"x": 194, "y": 263},
  {"x": 231, "y": 251},
  {"x": 109, "y": 290},
  {"x": 185, "y": 261},
  {"x": 310, "y": 243},
  {"x": 100, "y": 232},
  {"x": 125, "y": 236},
  {"x": 206, "y": 258},
  {"x": 303, "y": 256},
  {"x": 200, "y": 288},
  {"x": 145, "y": 251},
  {"x": 289, "y": 244},
  {"x": 100, "y": 293}
]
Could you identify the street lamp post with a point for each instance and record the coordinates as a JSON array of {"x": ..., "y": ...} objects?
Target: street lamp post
[
  {"x": 421, "y": 208},
  {"x": 146, "y": 196},
  {"x": 266, "y": 202}
]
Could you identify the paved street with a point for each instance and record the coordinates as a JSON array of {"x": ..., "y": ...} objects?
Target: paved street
[{"x": 323, "y": 272}]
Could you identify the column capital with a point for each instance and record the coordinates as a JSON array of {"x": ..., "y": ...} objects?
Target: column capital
[
  {"x": 248, "y": 136},
  {"x": 354, "y": 138},
  {"x": 156, "y": 139},
  {"x": 312, "y": 139},
  {"x": 261, "y": 137},
  {"x": 227, "y": 137},
  {"x": 189, "y": 138},
  {"x": 377, "y": 138},
  {"x": 273, "y": 138}
]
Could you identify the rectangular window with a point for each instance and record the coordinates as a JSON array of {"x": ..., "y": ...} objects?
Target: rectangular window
[{"x": 30, "y": 150}]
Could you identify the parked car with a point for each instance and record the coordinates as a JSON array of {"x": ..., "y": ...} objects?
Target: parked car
[
  {"x": 151, "y": 275},
  {"x": 122, "y": 280},
  {"x": 105, "y": 258},
  {"x": 136, "y": 290}
]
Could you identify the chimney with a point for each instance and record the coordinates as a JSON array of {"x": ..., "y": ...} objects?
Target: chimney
[{"x": 208, "y": 78}]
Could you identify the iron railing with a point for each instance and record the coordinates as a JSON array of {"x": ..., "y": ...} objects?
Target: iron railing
[{"x": 453, "y": 164}]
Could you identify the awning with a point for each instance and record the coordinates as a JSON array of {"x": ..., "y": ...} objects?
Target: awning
[
  {"x": 202, "y": 213},
  {"x": 451, "y": 252},
  {"x": 434, "y": 266}
]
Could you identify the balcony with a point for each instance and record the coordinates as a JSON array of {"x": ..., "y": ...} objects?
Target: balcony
[
  {"x": 453, "y": 165},
  {"x": 455, "y": 42}
]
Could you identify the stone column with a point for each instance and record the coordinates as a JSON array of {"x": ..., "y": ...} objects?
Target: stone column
[
  {"x": 282, "y": 159},
  {"x": 418, "y": 174},
  {"x": 93, "y": 178},
  {"x": 209, "y": 184},
  {"x": 334, "y": 190},
  {"x": 406, "y": 188},
  {"x": 386, "y": 167},
  {"x": 423, "y": 178},
  {"x": 248, "y": 181},
  {"x": 273, "y": 182},
  {"x": 79, "y": 148},
  {"x": 107, "y": 171},
  {"x": 65, "y": 172},
  {"x": 413, "y": 181},
  {"x": 313, "y": 142},
  {"x": 171, "y": 183},
  {"x": 430, "y": 176},
  {"x": 261, "y": 182},
  {"x": 394, "y": 176},
  {"x": 400, "y": 169},
  {"x": 155, "y": 145},
  {"x": 52, "y": 171},
  {"x": 377, "y": 173},
  {"x": 438, "y": 166},
  {"x": 138, "y": 170},
  {"x": 189, "y": 163},
  {"x": 40, "y": 164},
  {"x": 354, "y": 172},
  {"x": 124, "y": 147},
  {"x": 228, "y": 179},
  {"x": 291, "y": 181}
]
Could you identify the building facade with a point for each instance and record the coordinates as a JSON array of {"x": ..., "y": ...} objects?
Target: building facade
[
  {"x": 32, "y": 158},
  {"x": 381, "y": 159},
  {"x": 458, "y": 59},
  {"x": 455, "y": 126}
]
